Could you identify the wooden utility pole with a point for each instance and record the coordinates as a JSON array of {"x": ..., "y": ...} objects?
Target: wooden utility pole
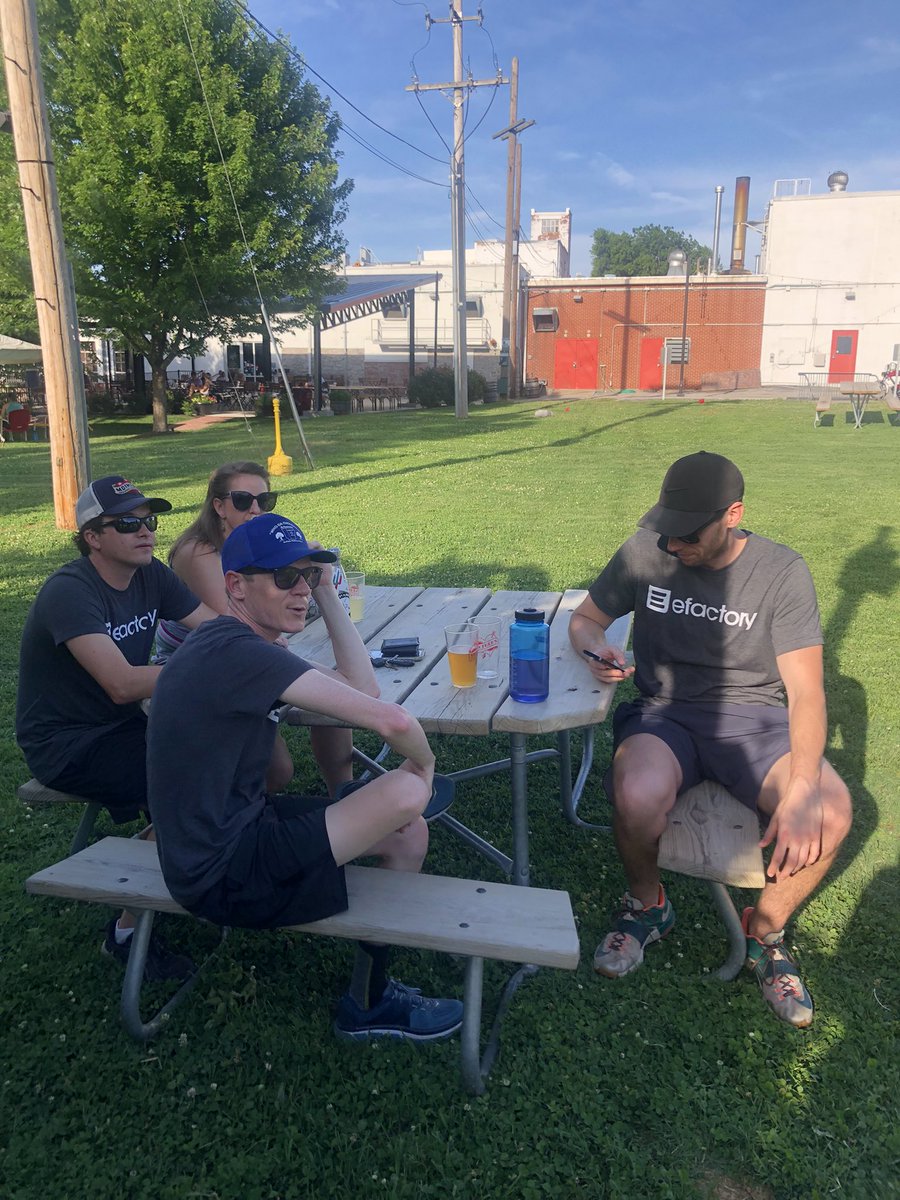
[
  {"x": 53, "y": 288},
  {"x": 511, "y": 255},
  {"x": 459, "y": 86},
  {"x": 515, "y": 375}
]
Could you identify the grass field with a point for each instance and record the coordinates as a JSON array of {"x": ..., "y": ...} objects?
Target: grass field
[{"x": 661, "y": 1085}]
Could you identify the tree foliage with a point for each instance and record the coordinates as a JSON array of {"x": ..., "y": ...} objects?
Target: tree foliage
[
  {"x": 150, "y": 222},
  {"x": 643, "y": 251},
  {"x": 18, "y": 317}
]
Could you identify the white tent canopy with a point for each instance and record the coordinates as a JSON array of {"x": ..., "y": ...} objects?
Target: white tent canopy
[{"x": 14, "y": 351}]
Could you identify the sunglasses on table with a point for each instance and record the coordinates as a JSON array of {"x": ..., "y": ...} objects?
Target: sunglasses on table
[
  {"x": 132, "y": 524},
  {"x": 286, "y": 577},
  {"x": 243, "y": 501}
]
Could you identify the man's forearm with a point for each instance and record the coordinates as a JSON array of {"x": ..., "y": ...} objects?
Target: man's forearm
[
  {"x": 350, "y": 655},
  {"x": 808, "y": 729}
]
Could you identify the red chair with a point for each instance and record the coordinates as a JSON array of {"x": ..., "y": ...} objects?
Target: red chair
[{"x": 18, "y": 421}]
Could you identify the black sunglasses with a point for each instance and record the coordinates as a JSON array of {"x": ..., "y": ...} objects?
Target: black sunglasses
[
  {"x": 691, "y": 539},
  {"x": 132, "y": 524},
  {"x": 243, "y": 501},
  {"x": 286, "y": 577}
]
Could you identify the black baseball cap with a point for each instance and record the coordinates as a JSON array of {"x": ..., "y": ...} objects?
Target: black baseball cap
[{"x": 695, "y": 488}]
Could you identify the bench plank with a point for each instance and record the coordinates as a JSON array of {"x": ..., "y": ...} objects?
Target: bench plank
[
  {"x": 710, "y": 835},
  {"x": 434, "y": 912}
]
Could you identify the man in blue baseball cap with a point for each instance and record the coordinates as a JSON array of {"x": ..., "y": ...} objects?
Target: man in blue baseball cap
[
  {"x": 239, "y": 857},
  {"x": 84, "y": 669}
]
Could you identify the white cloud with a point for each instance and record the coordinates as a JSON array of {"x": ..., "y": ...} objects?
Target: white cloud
[{"x": 617, "y": 174}]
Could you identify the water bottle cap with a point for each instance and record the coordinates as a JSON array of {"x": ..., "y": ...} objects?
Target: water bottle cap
[{"x": 535, "y": 615}]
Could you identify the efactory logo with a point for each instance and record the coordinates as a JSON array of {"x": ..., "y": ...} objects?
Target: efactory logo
[
  {"x": 660, "y": 600},
  {"x": 139, "y": 623}
]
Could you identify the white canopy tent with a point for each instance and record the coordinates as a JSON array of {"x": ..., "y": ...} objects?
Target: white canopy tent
[{"x": 15, "y": 352}]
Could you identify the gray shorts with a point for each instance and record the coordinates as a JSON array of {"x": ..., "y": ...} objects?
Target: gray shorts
[{"x": 735, "y": 745}]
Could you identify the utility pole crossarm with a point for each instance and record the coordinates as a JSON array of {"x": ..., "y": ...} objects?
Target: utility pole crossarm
[{"x": 455, "y": 83}]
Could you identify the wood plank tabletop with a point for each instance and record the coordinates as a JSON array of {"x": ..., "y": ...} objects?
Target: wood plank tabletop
[
  {"x": 443, "y": 708},
  {"x": 576, "y": 698},
  {"x": 382, "y": 606}
]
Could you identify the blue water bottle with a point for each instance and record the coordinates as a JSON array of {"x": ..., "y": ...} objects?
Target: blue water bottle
[{"x": 529, "y": 657}]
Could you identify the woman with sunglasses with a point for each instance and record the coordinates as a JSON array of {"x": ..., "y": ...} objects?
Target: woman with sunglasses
[{"x": 238, "y": 492}]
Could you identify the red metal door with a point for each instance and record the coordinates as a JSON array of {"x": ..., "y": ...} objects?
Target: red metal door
[
  {"x": 650, "y": 377},
  {"x": 575, "y": 366},
  {"x": 842, "y": 360}
]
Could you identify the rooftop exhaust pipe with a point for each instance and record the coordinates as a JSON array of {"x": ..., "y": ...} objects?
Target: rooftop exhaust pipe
[{"x": 739, "y": 232}]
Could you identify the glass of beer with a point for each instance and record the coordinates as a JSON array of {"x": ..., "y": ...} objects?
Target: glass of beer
[
  {"x": 463, "y": 643},
  {"x": 356, "y": 586}
]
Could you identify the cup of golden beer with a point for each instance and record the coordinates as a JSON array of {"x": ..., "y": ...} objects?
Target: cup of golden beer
[
  {"x": 356, "y": 586},
  {"x": 463, "y": 643}
]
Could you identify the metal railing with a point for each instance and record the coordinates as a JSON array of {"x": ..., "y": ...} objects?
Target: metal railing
[{"x": 823, "y": 385}]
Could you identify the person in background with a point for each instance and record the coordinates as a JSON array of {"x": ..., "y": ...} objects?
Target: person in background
[{"x": 238, "y": 492}]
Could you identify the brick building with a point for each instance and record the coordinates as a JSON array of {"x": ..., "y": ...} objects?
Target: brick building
[{"x": 608, "y": 333}]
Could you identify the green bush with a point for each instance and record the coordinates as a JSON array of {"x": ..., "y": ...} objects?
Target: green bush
[
  {"x": 341, "y": 401},
  {"x": 477, "y": 386},
  {"x": 432, "y": 388}
]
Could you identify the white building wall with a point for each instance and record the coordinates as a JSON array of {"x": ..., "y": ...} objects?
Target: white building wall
[{"x": 833, "y": 263}]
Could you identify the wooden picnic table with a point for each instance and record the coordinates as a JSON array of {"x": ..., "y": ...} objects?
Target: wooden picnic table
[
  {"x": 859, "y": 395},
  {"x": 377, "y": 394},
  {"x": 576, "y": 700}
]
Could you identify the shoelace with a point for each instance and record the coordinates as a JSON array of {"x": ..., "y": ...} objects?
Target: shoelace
[{"x": 784, "y": 983}]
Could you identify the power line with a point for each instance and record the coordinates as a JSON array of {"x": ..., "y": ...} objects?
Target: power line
[
  {"x": 390, "y": 162},
  {"x": 249, "y": 17}
]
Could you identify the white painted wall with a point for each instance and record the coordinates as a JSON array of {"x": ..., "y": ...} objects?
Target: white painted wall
[{"x": 832, "y": 263}]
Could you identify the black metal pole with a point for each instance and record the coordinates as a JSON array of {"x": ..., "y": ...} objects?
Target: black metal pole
[{"x": 687, "y": 283}]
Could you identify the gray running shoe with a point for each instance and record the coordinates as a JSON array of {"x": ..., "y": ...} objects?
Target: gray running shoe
[
  {"x": 778, "y": 976},
  {"x": 622, "y": 950}
]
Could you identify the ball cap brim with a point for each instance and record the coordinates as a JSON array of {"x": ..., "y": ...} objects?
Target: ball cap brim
[
  {"x": 112, "y": 496},
  {"x": 695, "y": 489},
  {"x": 269, "y": 541}
]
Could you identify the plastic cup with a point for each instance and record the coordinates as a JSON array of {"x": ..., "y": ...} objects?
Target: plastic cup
[
  {"x": 462, "y": 653},
  {"x": 488, "y": 648},
  {"x": 356, "y": 586}
]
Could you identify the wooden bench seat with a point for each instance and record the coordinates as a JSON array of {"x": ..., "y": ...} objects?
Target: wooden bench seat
[
  {"x": 531, "y": 926},
  {"x": 36, "y": 794},
  {"x": 712, "y": 836}
]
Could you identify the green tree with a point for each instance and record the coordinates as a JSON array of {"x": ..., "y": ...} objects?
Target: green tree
[
  {"x": 147, "y": 205},
  {"x": 644, "y": 251},
  {"x": 18, "y": 317}
]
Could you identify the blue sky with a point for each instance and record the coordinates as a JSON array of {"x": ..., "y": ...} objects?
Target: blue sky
[{"x": 641, "y": 108}]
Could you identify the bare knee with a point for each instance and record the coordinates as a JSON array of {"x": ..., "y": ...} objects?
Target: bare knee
[
  {"x": 643, "y": 794},
  {"x": 837, "y": 813}
]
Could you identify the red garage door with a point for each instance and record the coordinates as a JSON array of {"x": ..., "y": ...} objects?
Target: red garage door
[{"x": 575, "y": 368}]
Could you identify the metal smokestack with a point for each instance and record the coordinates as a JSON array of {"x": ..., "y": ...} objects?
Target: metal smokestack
[
  {"x": 739, "y": 232},
  {"x": 717, "y": 229}
]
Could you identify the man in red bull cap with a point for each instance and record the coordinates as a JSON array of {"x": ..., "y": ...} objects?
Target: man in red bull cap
[
  {"x": 83, "y": 668},
  {"x": 726, "y": 630}
]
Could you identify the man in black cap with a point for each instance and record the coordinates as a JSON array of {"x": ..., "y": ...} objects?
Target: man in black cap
[
  {"x": 83, "y": 666},
  {"x": 726, "y": 627}
]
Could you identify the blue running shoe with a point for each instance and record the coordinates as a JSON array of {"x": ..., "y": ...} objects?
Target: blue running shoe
[{"x": 402, "y": 1012}]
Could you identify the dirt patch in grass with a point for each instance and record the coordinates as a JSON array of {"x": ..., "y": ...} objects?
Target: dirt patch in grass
[{"x": 716, "y": 1186}]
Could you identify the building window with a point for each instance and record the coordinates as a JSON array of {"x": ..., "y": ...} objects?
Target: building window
[
  {"x": 545, "y": 320},
  {"x": 550, "y": 225},
  {"x": 474, "y": 306}
]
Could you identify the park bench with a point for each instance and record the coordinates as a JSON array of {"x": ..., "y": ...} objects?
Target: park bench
[
  {"x": 36, "y": 795},
  {"x": 529, "y": 926},
  {"x": 712, "y": 836}
]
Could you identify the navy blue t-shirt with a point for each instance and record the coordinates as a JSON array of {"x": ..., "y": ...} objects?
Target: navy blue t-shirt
[
  {"x": 61, "y": 709},
  {"x": 212, "y": 727}
]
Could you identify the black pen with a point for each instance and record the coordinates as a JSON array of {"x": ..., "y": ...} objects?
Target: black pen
[{"x": 605, "y": 662}]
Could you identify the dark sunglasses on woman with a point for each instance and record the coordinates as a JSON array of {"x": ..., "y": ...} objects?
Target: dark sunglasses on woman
[{"x": 243, "y": 501}]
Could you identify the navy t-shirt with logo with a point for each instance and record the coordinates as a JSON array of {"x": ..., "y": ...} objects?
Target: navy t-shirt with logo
[
  {"x": 711, "y": 636},
  {"x": 61, "y": 709}
]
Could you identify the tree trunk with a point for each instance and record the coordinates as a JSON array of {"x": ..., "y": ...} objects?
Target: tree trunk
[{"x": 160, "y": 400}]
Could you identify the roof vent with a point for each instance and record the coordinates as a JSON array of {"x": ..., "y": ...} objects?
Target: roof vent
[
  {"x": 837, "y": 181},
  {"x": 677, "y": 261}
]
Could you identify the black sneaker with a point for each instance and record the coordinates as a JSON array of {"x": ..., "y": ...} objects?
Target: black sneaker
[
  {"x": 402, "y": 1012},
  {"x": 161, "y": 962}
]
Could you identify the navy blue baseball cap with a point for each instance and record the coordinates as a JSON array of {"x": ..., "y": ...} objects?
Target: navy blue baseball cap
[
  {"x": 111, "y": 496},
  {"x": 269, "y": 541}
]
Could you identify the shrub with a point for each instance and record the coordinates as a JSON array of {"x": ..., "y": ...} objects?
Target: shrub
[
  {"x": 340, "y": 400},
  {"x": 477, "y": 386},
  {"x": 432, "y": 388}
]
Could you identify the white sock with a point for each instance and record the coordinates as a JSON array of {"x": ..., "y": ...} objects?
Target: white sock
[{"x": 122, "y": 935}]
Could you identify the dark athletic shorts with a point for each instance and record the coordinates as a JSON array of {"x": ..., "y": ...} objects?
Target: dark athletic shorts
[
  {"x": 735, "y": 745},
  {"x": 282, "y": 872},
  {"x": 113, "y": 771}
]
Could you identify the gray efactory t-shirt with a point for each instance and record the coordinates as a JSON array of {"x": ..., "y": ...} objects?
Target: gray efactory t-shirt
[{"x": 711, "y": 636}]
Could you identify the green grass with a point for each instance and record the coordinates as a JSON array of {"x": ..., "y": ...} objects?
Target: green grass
[{"x": 662, "y": 1085}]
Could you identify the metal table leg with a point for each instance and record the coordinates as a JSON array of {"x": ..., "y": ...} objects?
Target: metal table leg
[
  {"x": 519, "y": 783},
  {"x": 476, "y": 1067},
  {"x": 571, "y": 796},
  {"x": 737, "y": 940}
]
